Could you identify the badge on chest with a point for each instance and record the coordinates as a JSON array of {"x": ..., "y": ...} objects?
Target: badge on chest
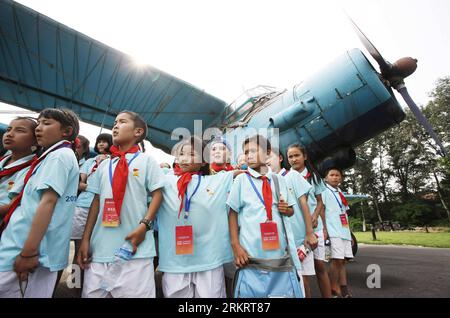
[
  {"x": 110, "y": 216},
  {"x": 269, "y": 236},
  {"x": 184, "y": 240}
]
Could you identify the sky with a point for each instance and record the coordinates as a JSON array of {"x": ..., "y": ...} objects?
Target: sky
[{"x": 226, "y": 47}]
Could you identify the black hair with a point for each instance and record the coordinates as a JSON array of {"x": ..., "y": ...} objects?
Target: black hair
[
  {"x": 315, "y": 175},
  {"x": 84, "y": 143},
  {"x": 327, "y": 170},
  {"x": 33, "y": 123},
  {"x": 139, "y": 122},
  {"x": 31, "y": 120},
  {"x": 142, "y": 146},
  {"x": 197, "y": 143},
  {"x": 66, "y": 118},
  {"x": 260, "y": 140},
  {"x": 104, "y": 137}
]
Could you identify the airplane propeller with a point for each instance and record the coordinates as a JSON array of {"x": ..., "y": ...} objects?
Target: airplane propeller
[{"x": 395, "y": 75}]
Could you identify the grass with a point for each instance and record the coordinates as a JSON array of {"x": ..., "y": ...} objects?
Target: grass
[{"x": 406, "y": 238}]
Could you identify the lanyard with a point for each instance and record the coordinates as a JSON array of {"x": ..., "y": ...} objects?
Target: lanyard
[
  {"x": 257, "y": 192},
  {"x": 129, "y": 163},
  {"x": 285, "y": 172},
  {"x": 187, "y": 203},
  {"x": 42, "y": 157},
  {"x": 337, "y": 200}
]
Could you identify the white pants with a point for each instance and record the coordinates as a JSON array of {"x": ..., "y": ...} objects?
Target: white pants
[
  {"x": 308, "y": 265},
  {"x": 340, "y": 249},
  {"x": 79, "y": 223},
  {"x": 319, "y": 252},
  {"x": 207, "y": 284},
  {"x": 41, "y": 284},
  {"x": 137, "y": 280}
]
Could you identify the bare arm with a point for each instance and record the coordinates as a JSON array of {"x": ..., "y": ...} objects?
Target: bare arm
[
  {"x": 28, "y": 259},
  {"x": 83, "y": 252},
  {"x": 41, "y": 220},
  {"x": 322, "y": 214},
  {"x": 237, "y": 172},
  {"x": 83, "y": 182},
  {"x": 4, "y": 209},
  {"x": 240, "y": 254},
  {"x": 138, "y": 235},
  {"x": 310, "y": 239}
]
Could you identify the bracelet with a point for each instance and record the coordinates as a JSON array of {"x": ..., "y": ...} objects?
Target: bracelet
[
  {"x": 31, "y": 256},
  {"x": 148, "y": 224}
]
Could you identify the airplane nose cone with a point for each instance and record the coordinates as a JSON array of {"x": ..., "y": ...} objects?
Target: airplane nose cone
[{"x": 404, "y": 67}]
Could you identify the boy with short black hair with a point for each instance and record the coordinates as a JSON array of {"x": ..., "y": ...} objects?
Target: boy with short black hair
[
  {"x": 255, "y": 206},
  {"x": 336, "y": 207},
  {"x": 120, "y": 213}
]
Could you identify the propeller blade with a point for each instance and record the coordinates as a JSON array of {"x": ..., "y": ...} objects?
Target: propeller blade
[
  {"x": 385, "y": 66},
  {"x": 421, "y": 118}
]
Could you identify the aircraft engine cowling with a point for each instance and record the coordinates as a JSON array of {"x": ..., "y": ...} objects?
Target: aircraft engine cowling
[{"x": 342, "y": 158}]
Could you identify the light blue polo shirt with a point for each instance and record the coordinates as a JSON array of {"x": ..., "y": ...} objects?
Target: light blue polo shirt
[
  {"x": 58, "y": 171},
  {"x": 316, "y": 190},
  {"x": 298, "y": 187},
  {"x": 7, "y": 183},
  {"x": 208, "y": 215},
  {"x": 251, "y": 213},
  {"x": 144, "y": 176},
  {"x": 333, "y": 208},
  {"x": 85, "y": 198}
]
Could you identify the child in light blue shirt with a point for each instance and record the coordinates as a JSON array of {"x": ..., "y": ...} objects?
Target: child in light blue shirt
[
  {"x": 36, "y": 231},
  {"x": 336, "y": 207},
  {"x": 250, "y": 208},
  {"x": 111, "y": 224},
  {"x": 194, "y": 202}
]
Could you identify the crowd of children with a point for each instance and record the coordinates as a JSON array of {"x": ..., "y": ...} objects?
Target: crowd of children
[{"x": 128, "y": 215}]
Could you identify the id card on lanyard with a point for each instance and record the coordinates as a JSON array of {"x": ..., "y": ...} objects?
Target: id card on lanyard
[
  {"x": 184, "y": 235},
  {"x": 110, "y": 217},
  {"x": 343, "y": 209},
  {"x": 269, "y": 229}
]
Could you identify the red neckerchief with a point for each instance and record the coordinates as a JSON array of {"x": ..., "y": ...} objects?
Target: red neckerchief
[
  {"x": 307, "y": 176},
  {"x": 182, "y": 185},
  {"x": 343, "y": 199},
  {"x": 16, "y": 202},
  {"x": 267, "y": 195},
  {"x": 10, "y": 171},
  {"x": 217, "y": 168},
  {"x": 177, "y": 170},
  {"x": 120, "y": 178}
]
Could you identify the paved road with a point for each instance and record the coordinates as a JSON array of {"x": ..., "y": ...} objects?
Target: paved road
[{"x": 405, "y": 272}]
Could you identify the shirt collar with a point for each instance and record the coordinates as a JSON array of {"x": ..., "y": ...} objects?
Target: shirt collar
[
  {"x": 304, "y": 172},
  {"x": 59, "y": 143},
  {"x": 332, "y": 188},
  {"x": 16, "y": 163},
  {"x": 256, "y": 174}
]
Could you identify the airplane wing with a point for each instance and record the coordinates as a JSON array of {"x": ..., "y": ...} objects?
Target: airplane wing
[
  {"x": 356, "y": 198},
  {"x": 46, "y": 64}
]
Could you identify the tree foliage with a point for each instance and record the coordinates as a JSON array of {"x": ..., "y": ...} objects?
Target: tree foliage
[{"x": 401, "y": 169}]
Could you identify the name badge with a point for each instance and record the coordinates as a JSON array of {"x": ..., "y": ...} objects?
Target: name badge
[
  {"x": 110, "y": 217},
  {"x": 344, "y": 220},
  {"x": 269, "y": 236},
  {"x": 184, "y": 240}
]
